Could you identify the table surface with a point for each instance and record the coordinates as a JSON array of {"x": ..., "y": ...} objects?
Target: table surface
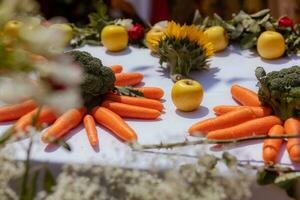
[{"x": 232, "y": 66}]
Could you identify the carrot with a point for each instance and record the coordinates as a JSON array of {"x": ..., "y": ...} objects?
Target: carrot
[
  {"x": 151, "y": 92},
  {"x": 292, "y": 127},
  {"x": 245, "y": 96},
  {"x": 114, "y": 123},
  {"x": 13, "y": 112},
  {"x": 64, "y": 124},
  {"x": 258, "y": 110},
  {"x": 131, "y": 111},
  {"x": 271, "y": 147},
  {"x": 136, "y": 101},
  {"x": 37, "y": 57},
  {"x": 128, "y": 79},
  {"x": 90, "y": 127},
  {"x": 117, "y": 68},
  {"x": 46, "y": 116},
  {"x": 259, "y": 126},
  {"x": 224, "y": 121}
]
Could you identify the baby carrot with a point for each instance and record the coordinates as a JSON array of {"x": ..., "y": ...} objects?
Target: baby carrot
[
  {"x": 224, "y": 121},
  {"x": 258, "y": 110},
  {"x": 271, "y": 147},
  {"x": 90, "y": 127},
  {"x": 13, "y": 112},
  {"x": 259, "y": 126},
  {"x": 128, "y": 79},
  {"x": 131, "y": 111},
  {"x": 245, "y": 96},
  {"x": 292, "y": 127},
  {"x": 136, "y": 101},
  {"x": 117, "y": 68},
  {"x": 46, "y": 116},
  {"x": 114, "y": 123},
  {"x": 151, "y": 92},
  {"x": 64, "y": 124}
]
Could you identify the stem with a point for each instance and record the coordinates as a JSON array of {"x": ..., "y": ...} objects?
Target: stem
[
  {"x": 211, "y": 141},
  {"x": 240, "y": 163},
  {"x": 25, "y": 178}
]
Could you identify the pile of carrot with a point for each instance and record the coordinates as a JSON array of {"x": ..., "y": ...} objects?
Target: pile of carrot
[
  {"x": 248, "y": 119},
  {"x": 108, "y": 114}
]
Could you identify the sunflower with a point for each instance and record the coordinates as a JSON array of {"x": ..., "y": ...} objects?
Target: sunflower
[{"x": 183, "y": 48}]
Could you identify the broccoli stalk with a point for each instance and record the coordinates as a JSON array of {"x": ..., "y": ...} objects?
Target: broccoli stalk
[
  {"x": 280, "y": 90},
  {"x": 97, "y": 80}
]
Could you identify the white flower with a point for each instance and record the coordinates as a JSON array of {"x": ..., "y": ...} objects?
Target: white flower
[
  {"x": 162, "y": 25},
  {"x": 127, "y": 23}
]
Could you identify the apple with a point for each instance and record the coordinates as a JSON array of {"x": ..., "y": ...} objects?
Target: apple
[
  {"x": 187, "y": 95},
  {"x": 13, "y": 27},
  {"x": 217, "y": 36}
]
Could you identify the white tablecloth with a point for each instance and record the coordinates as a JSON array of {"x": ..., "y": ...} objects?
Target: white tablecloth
[{"x": 226, "y": 68}]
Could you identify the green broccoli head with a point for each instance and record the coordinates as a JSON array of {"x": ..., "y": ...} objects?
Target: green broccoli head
[
  {"x": 97, "y": 79},
  {"x": 280, "y": 90}
]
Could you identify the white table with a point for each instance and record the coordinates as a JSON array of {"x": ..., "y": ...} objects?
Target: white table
[{"x": 229, "y": 67}]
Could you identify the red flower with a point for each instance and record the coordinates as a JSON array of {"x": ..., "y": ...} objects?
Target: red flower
[
  {"x": 286, "y": 22},
  {"x": 136, "y": 32}
]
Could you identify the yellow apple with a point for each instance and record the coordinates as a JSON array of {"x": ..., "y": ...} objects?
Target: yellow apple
[
  {"x": 187, "y": 95},
  {"x": 65, "y": 29},
  {"x": 114, "y": 37},
  {"x": 217, "y": 36},
  {"x": 13, "y": 27},
  {"x": 270, "y": 45}
]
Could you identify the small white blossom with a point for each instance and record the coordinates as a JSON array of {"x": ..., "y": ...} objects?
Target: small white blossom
[{"x": 127, "y": 23}]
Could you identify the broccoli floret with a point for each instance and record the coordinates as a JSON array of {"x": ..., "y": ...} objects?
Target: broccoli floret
[
  {"x": 97, "y": 79},
  {"x": 280, "y": 90}
]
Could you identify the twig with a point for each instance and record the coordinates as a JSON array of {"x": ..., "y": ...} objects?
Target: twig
[
  {"x": 211, "y": 141},
  {"x": 240, "y": 163}
]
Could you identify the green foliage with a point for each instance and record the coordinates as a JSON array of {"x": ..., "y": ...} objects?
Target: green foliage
[
  {"x": 280, "y": 90},
  {"x": 91, "y": 33},
  {"x": 49, "y": 180},
  {"x": 97, "y": 79},
  {"x": 182, "y": 57},
  {"x": 245, "y": 28}
]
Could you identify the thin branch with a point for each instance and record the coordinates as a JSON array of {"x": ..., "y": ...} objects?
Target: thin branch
[
  {"x": 211, "y": 141},
  {"x": 240, "y": 163}
]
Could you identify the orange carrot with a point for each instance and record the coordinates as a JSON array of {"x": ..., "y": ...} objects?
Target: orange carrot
[
  {"x": 259, "y": 126},
  {"x": 245, "y": 96},
  {"x": 151, "y": 92},
  {"x": 64, "y": 124},
  {"x": 117, "y": 68},
  {"x": 46, "y": 116},
  {"x": 271, "y": 147},
  {"x": 128, "y": 79},
  {"x": 90, "y": 127},
  {"x": 131, "y": 111},
  {"x": 292, "y": 127},
  {"x": 258, "y": 110},
  {"x": 136, "y": 101},
  {"x": 224, "y": 121},
  {"x": 13, "y": 112},
  {"x": 114, "y": 123}
]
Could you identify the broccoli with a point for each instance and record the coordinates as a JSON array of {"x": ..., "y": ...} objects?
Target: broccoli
[
  {"x": 97, "y": 79},
  {"x": 280, "y": 90}
]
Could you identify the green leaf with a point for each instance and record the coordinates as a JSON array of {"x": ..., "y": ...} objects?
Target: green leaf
[
  {"x": 197, "y": 18},
  {"x": 261, "y": 13},
  {"x": 6, "y": 136},
  {"x": 248, "y": 41},
  {"x": 33, "y": 186},
  {"x": 49, "y": 180},
  {"x": 265, "y": 177},
  {"x": 62, "y": 143},
  {"x": 288, "y": 182},
  {"x": 229, "y": 160},
  {"x": 127, "y": 91}
]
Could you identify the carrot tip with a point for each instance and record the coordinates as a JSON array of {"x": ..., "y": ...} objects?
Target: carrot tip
[
  {"x": 269, "y": 155},
  {"x": 295, "y": 154}
]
